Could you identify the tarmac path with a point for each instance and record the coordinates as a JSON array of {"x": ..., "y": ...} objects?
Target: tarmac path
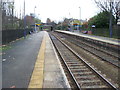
[{"x": 18, "y": 61}]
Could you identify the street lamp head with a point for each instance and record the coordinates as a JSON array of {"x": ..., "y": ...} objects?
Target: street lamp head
[{"x": 118, "y": 22}]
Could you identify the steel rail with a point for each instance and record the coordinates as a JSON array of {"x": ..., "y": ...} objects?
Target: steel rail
[
  {"x": 95, "y": 48},
  {"x": 95, "y": 71},
  {"x": 75, "y": 81},
  {"x": 97, "y": 54}
]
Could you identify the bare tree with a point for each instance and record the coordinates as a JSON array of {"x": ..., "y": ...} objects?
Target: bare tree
[
  {"x": 106, "y": 5},
  {"x": 7, "y": 13}
]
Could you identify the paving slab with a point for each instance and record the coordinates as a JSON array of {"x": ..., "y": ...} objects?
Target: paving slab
[{"x": 54, "y": 76}]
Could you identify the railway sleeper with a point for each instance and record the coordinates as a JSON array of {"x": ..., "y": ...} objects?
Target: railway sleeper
[
  {"x": 76, "y": 67},
  {"x": 73, "y": 60},
  {"x": 82, "y": 74},
  {"x": 91, "y": 83},
  {"x": 73, "y": 63},
  {"x": 86, "y": 77},
  {"x": 95, "y": 86},
  {"x": 87, "y": 72},
  {"x": 68, "y": 54},
  {"x": 80, "y": 69}
]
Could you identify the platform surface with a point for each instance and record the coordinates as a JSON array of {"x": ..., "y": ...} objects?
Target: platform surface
[
  {"x": 99, "y": 38},
  {"x": 54, "y": 76},
  {"x": 32, "y": 62},
  {"x": 48, "y": 72},
  {"x": 18, "y": 60}
]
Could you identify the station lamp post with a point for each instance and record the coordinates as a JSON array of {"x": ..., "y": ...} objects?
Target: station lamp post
[
  {"x": 34, "y": 16},
  {"x": 80, "y": 12},
  {"x": 80, "y": 17}
]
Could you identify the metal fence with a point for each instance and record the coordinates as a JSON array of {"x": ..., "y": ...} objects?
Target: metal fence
[
  {"x": 11, "y": 35},
  {"x": 106, "y": 32}
]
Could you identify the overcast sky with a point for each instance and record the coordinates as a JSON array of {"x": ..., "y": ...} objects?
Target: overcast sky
[{"x": 58, "y": 9}]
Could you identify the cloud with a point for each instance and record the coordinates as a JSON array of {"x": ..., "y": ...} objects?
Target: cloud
[{"x": 58, "y": 9}]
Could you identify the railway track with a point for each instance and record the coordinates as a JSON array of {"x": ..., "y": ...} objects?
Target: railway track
[
  {"x": 108, "y": 56},
  {"x": 83, "y": 75}
]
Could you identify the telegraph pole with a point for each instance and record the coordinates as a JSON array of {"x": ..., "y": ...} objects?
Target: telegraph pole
[
  {"x": 80, "y": 12},
  {"x": 12, "y": 14},
  {"x": 24, "y": 21},
  {"x": 110, "y": 23},
  {"x": 0, "y": 45},
  {"x": 0, "y": 17}
]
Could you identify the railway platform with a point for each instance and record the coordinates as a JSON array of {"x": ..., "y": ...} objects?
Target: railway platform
[
  {"x": 48, "y": 72},
  {"x": 97, "y": 38}
]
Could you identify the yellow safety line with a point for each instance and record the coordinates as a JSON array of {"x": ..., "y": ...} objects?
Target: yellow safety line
[{"x": 37, "y": 76}]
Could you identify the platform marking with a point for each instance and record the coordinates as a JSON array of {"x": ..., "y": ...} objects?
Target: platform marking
[{"x": 37, "y": 75}]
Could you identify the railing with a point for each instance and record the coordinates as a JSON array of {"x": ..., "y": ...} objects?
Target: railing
[{"x": 11, "y": 35}]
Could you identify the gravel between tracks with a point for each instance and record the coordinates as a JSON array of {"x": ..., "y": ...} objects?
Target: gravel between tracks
[{"x": 105, "y": 68}]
